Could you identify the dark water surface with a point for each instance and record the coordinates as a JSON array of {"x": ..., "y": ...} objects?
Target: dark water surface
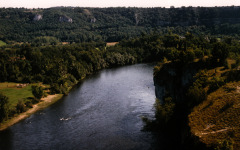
[{"x": 103, "y": 112}]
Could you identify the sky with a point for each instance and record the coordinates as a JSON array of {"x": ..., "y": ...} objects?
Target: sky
[{"x": 116, "y": 3}]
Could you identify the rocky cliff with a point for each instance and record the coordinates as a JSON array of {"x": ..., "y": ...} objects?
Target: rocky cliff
[
  {"x": 65, "y": 19},
  {"x": 37, "y": 17},
  {"x": 174, "y": 78}
]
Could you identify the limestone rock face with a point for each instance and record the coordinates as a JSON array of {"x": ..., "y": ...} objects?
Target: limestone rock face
[
  {"x": 174, "y": 79},
  {"x": 37, "y": 17},
  {"x": 93, "y": 20},
  {"x": 65, "y": 19}
]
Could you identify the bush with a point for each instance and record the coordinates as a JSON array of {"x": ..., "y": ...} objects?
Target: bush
[
  {"x": 199, "y": 53},
  {"x": 157, "y": 68},
  {"x": 215, "y": 83},
  {"x": 21, "y": 107},
  {"x": 226, "y": 65},
  {"x": 201, "y": 79},
  {"x": 54, "y": 88},
  {"x": 72, "y": 79},
  {"x": 187, "y": 56},
  {"x": 29, "y": 104},
  {"x": 164, "y": 112},
  {"x": 37, "y": 91},
  {"x": 47, "y": 80},
  {"x": 233, "y": 75},
  {"x": 12, "y": 112},
  {"x": 4, "y": 108},
  {"x": 27, "y": 79},
  {"x": 225, "y": 145},
  {"x": 64, "y": 90},
  {"x": 196, "y": 95},
  {"x": 38, "y": 78}
]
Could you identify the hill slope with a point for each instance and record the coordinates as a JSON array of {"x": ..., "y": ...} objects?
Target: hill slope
[
  {"x": 69, "y": 24},
  {"x": 217, "y": 118}
]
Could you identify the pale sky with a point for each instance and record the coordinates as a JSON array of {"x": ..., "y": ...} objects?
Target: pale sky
[{"x": 115, "y": 3}]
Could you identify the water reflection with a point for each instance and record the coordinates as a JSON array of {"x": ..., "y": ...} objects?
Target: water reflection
[{"x": 102, "y": 112}]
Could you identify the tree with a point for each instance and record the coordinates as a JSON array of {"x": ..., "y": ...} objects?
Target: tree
[
  {"x": 220, "y": 52},
  {"x": 4, "y": 108},
  {"x": 21, "y": 107},
  {"x": 37, "y": 91},
  {"x": 196, "y": 94},
  {"x": 55, "y": 88},
  {"x": 164, "y": 112},
  {"x": 171, "y": 40},
  {"x": 225, "y": 145},
  {"x": 187, "y": 56}
]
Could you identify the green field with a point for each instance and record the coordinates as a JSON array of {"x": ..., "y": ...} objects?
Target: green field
[
  {"x": 2, "y": 43},
  {"x": 14, "y": 94}
]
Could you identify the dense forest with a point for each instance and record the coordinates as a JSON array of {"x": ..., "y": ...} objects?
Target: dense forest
[
  {"x": 73, "y": 24},
  {"x": 62, "y": 66},
  {"x": 60, "y": 63},
  {"x": 200, "y": 79}
]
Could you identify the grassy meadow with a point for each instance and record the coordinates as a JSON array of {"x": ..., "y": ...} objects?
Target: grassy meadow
[
  {"x": 2, "y": 43},
  {"x": 14, "y": 94}
]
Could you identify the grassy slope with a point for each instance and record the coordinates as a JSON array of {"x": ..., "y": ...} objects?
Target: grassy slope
[
  {"x": 217, "y": 118},
  {"x": 2, "y": 43},
  {"x": 14, "y": 94}
]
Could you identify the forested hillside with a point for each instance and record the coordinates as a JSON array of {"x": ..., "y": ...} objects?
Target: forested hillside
[
  {"x": 70, "y": 24},
  {"x": 61, "y": 46}
]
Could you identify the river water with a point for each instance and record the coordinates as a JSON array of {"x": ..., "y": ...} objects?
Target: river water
[{"x": 102, "y": 112}]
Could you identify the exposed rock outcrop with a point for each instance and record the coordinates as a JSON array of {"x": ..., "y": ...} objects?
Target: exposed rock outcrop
[
  {"x": 37, "y": 17},
  {"x": 174, "y": 78},
  {"x": 89, "y": 15},
  {"x": 65, "y": 19},
  {"x": 93, "y": 20},
  {"x": 136, "y": 18}
]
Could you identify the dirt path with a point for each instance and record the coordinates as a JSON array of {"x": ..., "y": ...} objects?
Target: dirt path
[
  {"x": 211, "y": 132},
  {"x": 50, "y": 99}
]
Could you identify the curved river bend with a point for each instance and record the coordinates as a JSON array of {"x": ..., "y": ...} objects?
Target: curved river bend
[{"x": 102, "y": 112}]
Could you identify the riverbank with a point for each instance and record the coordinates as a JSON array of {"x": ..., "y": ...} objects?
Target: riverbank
[
  {"x": 45, "y": 102},
  {"x": 89, "y": 112}
]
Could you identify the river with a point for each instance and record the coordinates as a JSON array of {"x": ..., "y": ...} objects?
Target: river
[{"x": 103, "y": 112}]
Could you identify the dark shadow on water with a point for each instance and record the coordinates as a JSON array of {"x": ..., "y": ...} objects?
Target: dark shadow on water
[
  {"x": 101, "y": 111},
  {"x": 6, "y": 139}
]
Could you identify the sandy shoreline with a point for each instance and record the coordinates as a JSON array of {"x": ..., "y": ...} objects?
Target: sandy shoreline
[{"x": 45, "y": 102}]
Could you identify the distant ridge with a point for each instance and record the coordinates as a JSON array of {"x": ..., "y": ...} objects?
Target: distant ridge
[{"x": 114, "y": 24}]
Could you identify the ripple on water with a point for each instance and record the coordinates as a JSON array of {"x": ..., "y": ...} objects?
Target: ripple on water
[{"x": 103, "y": 112}]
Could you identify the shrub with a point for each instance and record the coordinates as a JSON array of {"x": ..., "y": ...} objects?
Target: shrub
[
  {"x": 226, "y": 65},
  {"x": 157, "y": 68},
  {"x": 196, "y": 95},
  {"x": 27, "y": 79},
  {"x": 164, "y": 112},
  {"x": 215, "y": 83},
  {"x": 72, "y": 79},
  {"x": 233, "y": 75},
  {"x": 225, "y": 145},
  {"x": 199, "y": 53},
  {"x": 37, "y": 91},
  {"x": 54, "y": 88},
  {"x": 201, "y": 79},
  {"x": 21, "y": 107},
  {"x": 29, "y": 104},
  {"x": 4, "y": 108},
  {"x": 187, "y": 56}
]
